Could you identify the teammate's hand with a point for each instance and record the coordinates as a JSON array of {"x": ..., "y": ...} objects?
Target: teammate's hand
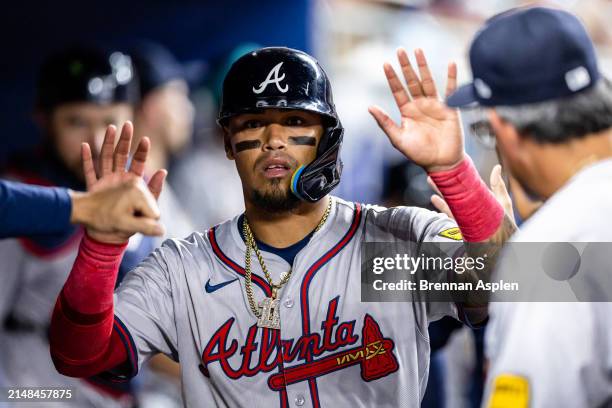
[
  {"x": 430, "y": 132},
  {"x": 114, "y": 208},
  {"x": 139, "y": 205},
  {"x": 498, "y": 187}
]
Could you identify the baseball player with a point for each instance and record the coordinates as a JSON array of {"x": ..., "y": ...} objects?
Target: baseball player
[
  {"x": 550, "y": 110},
  {"x": 51, "y": 210},
  {"x": 264, "y": 309},
  {"x": 80, "y": 91}
]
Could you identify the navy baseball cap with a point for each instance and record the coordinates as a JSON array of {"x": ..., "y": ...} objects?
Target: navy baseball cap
[
  {"x": 156, "y": 66},
  {"x": 527, "y": 56}
]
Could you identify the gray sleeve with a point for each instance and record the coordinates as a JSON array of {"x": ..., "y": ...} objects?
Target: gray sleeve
[
  {"x": 144, "y": 304},
  {"x": 415, "y": 225},
  {"x": 410, "y": 224}
]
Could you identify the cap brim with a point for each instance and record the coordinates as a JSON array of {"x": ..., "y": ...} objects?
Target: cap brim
[{"x": 463, "y": 96}]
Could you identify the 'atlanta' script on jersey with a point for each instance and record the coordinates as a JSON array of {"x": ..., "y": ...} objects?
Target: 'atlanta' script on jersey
[{"x": 374, "y": 353}]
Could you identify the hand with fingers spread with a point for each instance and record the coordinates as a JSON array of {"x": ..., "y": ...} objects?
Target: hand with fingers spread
[
  {"x": 120, "y": 203},
  {"x": 429, "y": 132}
]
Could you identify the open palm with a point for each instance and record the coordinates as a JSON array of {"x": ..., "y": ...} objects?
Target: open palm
[
  {"x": 430, "y": 132},
  {"x": 113, "y": 172}
]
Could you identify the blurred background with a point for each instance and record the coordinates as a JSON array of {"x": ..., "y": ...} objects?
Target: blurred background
[
  {"x": 200, "y": 39},
  {"x": 351, "y": 38}
]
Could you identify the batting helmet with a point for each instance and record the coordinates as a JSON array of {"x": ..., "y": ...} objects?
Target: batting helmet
[
  {"x": 284, "y": 78},
  {"x": 86, "y": 74}
]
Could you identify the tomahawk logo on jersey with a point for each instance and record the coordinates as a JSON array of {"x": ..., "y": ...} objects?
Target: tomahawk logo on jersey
[{"x": 330, "y": 347}]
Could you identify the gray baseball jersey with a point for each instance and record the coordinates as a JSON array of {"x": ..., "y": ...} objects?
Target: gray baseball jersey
[
  {"x": 558, "y": 354},
  {"x": 188, "y": 300}
]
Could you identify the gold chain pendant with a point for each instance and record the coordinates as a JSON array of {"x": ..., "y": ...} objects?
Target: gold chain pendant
[{"x": 267, "y": 311}]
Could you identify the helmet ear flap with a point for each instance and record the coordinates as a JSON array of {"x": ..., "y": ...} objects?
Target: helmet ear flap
[
  {"x": 316, "y": 180},
  {"x": 330, "y": 137}
]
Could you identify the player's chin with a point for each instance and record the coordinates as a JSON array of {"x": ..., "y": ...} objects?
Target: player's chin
[
  {"x": 276, "y": 187},
  {"x": 266, "y": 182},
  {"x": 275, "y": 197}
]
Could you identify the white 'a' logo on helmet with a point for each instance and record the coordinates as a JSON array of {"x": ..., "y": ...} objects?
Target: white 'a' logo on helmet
[{"x": 273, "y": 80}]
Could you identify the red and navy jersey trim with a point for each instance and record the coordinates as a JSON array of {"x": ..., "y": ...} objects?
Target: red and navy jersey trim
[
  {"x": 66, "y": 244},
  {"x": 130, "y": 347},
  {"x": 116, "y": 381},
  {"x": 312, "y": 383},
  {"x": 258, "y": 280}
]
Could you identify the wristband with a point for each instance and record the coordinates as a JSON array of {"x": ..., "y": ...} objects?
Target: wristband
[
  {"x": 476, "y": 211},
  {"x": 91, "y": 283}
]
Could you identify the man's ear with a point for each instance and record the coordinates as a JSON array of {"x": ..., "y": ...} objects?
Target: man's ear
[{"x": 229, "y": 152}]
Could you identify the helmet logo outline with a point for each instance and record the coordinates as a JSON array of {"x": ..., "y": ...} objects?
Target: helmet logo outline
[{"x": 278, "y": 77}]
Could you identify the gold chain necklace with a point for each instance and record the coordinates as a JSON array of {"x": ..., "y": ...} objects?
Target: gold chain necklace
[{"x": 267, "y": 313}]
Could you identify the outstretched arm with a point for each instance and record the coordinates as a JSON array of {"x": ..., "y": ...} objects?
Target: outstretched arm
[
  {"x": 82, "y": 339},
  {"x": 430, "y": 135},
  {"x": 27, "y": 210}
]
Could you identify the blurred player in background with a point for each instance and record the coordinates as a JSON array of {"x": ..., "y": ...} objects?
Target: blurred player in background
[
  {"x": 81, "y": 91},
  {"x": 550, "y": 110},
  {"x": 216, "y": 194},
  {"x": 165, "y": 114}
]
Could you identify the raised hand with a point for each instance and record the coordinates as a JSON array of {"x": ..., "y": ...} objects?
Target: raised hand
[
  {"x": 126, "y": 205},
  {"x": 429, "y": 133}
]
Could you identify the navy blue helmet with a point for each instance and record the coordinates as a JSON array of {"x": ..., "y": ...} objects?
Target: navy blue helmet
[{"x": 284, "y": 78}]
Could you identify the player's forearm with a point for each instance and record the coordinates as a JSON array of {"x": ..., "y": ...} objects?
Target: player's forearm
[
  {"x": 82, "y": 323},
  {"x": 90, "y": 286},
  {"x": 483, "y": 224},
  {"x": 478, "y": 214}
]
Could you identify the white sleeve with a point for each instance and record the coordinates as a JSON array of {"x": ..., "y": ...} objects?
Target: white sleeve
[
  {"x": 550, "y": 354},
  {"x": 416, "y": 225}
]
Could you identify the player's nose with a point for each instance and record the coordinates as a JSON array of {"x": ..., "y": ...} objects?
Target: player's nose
[{"x": 275, "y": 137}]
